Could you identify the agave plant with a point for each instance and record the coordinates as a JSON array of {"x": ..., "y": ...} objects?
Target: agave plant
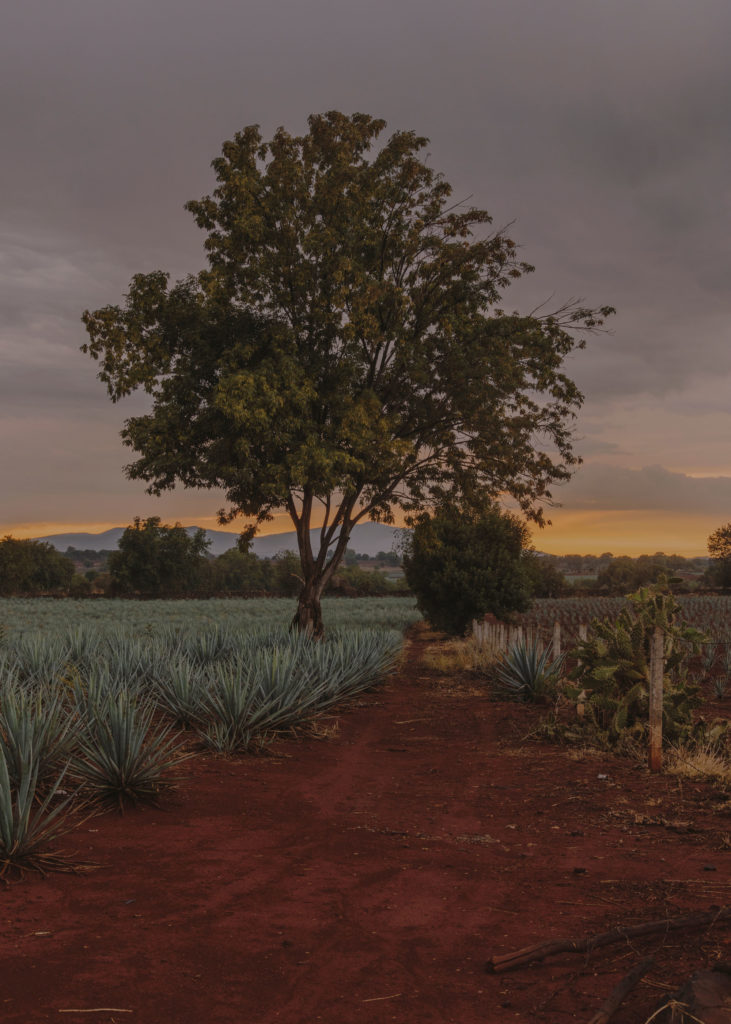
[
  {"x": 355, "y": 660},
  {"x": 180, "y": 690},
  {"x": 40, "y": 659},
  {"x": 35, "y": 728},
  {"x": 227, "y": 707},
  {"x": 527, "y": 672},
  {"x": 28, "y": 829},
  {"x": 708, "y": 658},
  {"x": 247, "y": 700},
  {"x": 122, "y": 757}
]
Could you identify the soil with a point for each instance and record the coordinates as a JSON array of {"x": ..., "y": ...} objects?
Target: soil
[{"x": 365, "y": 870}]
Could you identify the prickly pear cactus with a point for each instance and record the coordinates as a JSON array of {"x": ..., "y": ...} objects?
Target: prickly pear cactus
[{"x": 613, "y": 667}]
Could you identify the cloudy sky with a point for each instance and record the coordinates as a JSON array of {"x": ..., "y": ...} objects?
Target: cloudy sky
[{"x": 599, "y": 130}]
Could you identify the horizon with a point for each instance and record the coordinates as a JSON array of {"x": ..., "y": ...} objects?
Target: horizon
[{"x": 575, "y": 535}]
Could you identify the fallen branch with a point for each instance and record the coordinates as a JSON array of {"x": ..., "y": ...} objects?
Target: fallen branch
[
  {"x": 529, "y": 954},
  {"x": 620, "y": 992}
]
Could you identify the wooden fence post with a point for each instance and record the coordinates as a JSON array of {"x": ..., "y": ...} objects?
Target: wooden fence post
[
  {"x": 556, "y": 642},
  {"x": 657, "y": 659}
]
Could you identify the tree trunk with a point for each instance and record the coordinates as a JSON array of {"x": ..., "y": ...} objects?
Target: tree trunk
[
  {"x": 308, "y": 617},
  {"x": 317, "y": 571}
]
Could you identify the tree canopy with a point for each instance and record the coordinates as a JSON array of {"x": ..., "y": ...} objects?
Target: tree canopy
[
  {"x": 157, "y": 560},
  {"x": 344, "y": 354},
  {"x": 719, "y": 550},
  {"x": 463, "y": 563},
  {"x": 32, "y": 567}
]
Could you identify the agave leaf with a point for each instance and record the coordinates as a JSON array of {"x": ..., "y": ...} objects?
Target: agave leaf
[{"x": 28, "y": 828}]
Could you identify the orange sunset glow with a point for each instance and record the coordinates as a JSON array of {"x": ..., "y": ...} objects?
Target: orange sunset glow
[{"x": 590, "y": 533}]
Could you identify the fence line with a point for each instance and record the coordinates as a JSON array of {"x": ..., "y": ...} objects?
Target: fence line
[{"x": 501, "y": 637}]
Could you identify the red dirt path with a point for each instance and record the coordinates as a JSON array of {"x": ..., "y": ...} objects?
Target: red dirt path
[{"x": 367, "y": 877}]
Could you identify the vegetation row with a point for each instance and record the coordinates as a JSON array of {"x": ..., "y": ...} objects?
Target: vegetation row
[
  {"x": 155, "y": 560},
  {"x": 94, "y": 715},
  {"x": 597, "y": 686}
]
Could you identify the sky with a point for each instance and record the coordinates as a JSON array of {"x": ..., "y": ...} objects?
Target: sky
[{"x": 599, "y": 131}]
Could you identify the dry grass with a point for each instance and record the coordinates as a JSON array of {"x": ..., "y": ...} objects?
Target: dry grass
[
  {"x": 704, "y": 761},
  {"x": 460, "y": 656},
  {"x": 323, "y": 728}
]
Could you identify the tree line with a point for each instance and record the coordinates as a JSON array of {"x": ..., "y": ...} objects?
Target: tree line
[
  {"x": 454, "y": 559},
  {"x": 156, "y": 560},
  {"x": 622, "y": 574}
]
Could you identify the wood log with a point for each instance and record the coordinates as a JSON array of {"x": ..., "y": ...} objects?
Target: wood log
[
  {"x": 619, "y": 993},
  {"x": 529, "y": 954}
]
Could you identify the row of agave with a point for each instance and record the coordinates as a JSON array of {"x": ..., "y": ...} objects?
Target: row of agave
[
  {"x": 51, "y": 615},
  {"x": 91, "y": 717}
]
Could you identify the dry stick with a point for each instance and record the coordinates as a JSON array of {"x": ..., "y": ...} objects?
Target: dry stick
[
  {"x": 527, "y": 955},
  {"x": 607, "y": 1010}
]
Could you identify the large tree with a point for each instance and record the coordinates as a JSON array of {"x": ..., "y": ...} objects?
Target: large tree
[{"x": 344, "y": 353}]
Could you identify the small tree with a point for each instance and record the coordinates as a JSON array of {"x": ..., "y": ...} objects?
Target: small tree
[
  {"x": 156, "y": 560},
  {"x": 345, "y": 353},
  {"x": 719, "y": 550},
  {"x": 463, "y": 563},
  {"x": 286, "y": 574}
]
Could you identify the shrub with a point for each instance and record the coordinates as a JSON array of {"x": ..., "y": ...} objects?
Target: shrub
[
  {"x": 613, "y": 667},
  {"x": 463, "y": 563}
]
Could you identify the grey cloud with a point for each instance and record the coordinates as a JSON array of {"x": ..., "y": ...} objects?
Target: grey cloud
[
  {"x": 611, "y": 488},
  {"x": 587, "y": 446},
  {"x": 601, "y": 129}
]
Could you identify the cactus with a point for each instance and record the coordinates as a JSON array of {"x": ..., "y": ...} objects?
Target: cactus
[{"x": 613, "y": 667}]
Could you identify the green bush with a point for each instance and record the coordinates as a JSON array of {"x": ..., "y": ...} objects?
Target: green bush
[
  {"x": 462, "y": 563},
  {"x": 32, "y": 567}
]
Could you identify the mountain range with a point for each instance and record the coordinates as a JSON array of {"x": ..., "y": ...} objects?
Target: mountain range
[{"x": 366, "y": 539}]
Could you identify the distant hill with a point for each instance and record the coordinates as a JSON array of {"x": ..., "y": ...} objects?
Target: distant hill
[
  {"x": 366, "y": 539},
  {"x": 106, "y": 541}
]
